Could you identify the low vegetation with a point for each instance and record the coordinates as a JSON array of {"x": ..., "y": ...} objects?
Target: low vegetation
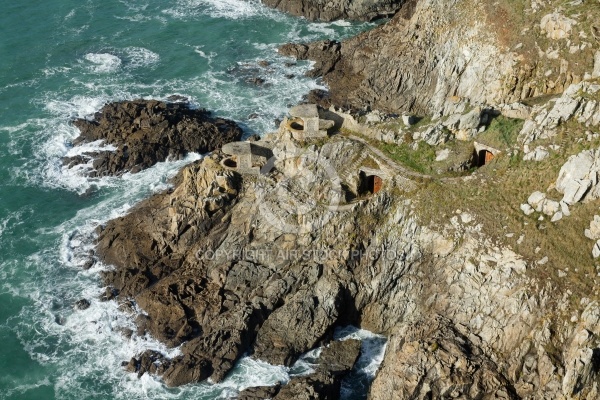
[
  {"x": 501, "y": 133},
  {"x": 494, "y": 193}
]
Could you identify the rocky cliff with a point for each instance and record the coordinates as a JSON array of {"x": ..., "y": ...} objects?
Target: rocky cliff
[{"x": 433, "y": 53}]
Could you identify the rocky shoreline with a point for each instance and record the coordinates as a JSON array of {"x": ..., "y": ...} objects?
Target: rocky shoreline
[
  {"x": 338, "y": 9},
  {"x": 266, "y": 247},
  {"x": 140, "y": 133}
]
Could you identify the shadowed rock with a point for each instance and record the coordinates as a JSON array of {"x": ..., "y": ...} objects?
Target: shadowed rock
[
  {"x": 335, "y": 362},
  {"x": 145, "y": 132}
]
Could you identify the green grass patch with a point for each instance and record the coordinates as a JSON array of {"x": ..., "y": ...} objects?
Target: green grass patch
[
  {"x": 418, "y": 158},
  {"x": 502, "y": 133}
]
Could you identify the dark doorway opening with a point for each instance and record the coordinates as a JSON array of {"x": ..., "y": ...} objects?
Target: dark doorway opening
[{"x": 484, "y": 157}]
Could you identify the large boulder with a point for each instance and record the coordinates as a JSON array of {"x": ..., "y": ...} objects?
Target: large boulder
[
  {"x": 578, "y": 177},
  {"x": 141, "y": 133}
]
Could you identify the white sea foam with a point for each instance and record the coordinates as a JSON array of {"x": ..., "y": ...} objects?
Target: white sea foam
[
  {"x": 76, "y": 107},
  {"x": 21, "y": 389},
  {"x": 228, "y": 9},
  {"x": 70, "y": 15},
  {"x": 372, "y": 353},
  {"x": 210, "y": 56},
  {"x": 322, "y": 29},
  {"x": 336, "y": 30},
  {"x": 103, "y": 63},
  {"x": 141, "y": 57},
  {"x": 90, "y": 339},
  {"x": 55, "y": 70},
  {"x": 307, "y": 363},
  {"x": 13, "y": 220},
  {"x": 138, "y": 12},
  {"x": 13, "y": 129}
]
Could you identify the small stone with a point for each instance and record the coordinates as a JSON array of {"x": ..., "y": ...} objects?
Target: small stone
[
  {"x": 596, "y": 73},
  {"x": 408, "y": 120},
  {"x": 557, "y": 217},
  {"x": 536, "y": 199},
  {"x": 596, "y": 250},
  {"x": 466, "y": 218},
  {"x": 374, "y": 117},
  {"x": 543, "y": 261},
  {"x": 574, "y": 318},
  {"x": 83, "y": 304},
  {"x": 550, "y": 207},
  {"x": 88, "y": 264},
  {"x": 258, "y": 81},
  {"x": 109, "y": 294},
  {"x": 442, "y": 155},
  {"x": 593, "y": 232},
  {"x": 564, "y": 208},
  {"x": 527, "y": 209},
  {"x": 538, "y": 154}
]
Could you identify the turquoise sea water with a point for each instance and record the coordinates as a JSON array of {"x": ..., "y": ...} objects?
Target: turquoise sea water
[{"x": 62, "y": 59}]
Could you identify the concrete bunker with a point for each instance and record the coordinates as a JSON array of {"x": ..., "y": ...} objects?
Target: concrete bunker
[
  {"x": 245, "y": 157},
  {"x": 483, "y": 154},
  {"x": 484, "y": 157},
  {"x": 306, "y": 123}
]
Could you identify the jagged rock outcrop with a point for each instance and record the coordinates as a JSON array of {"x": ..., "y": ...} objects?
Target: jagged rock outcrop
[
  {"x": 227, "y": 264},
  {"x": 578, "y": 177},
  {"x": 140, "y": 133},
  {"x": 189, "y": 262},
  {"x": 328, "y": 10},
  {"x": 335, "y": 362},
  {"x": 557, "y": 26},
  {"x": 433, "y": 52},
  {"x": 579, "y": 103},
  {"x": 436, "y": 361}
]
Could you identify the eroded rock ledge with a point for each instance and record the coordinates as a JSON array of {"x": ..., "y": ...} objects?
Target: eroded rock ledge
[{"x": 141, "y": 133}]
